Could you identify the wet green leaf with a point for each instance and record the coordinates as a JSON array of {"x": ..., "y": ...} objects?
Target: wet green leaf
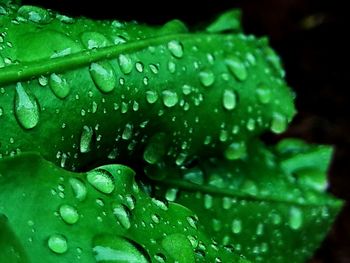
[
  {"x": 99, "y": 216},
  {"x": 264, "y": 210},
  {"x": 101, "y": 90}
]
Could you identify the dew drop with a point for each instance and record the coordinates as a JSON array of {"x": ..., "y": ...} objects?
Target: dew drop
[
  {"x": 94, "y": 40},
  {"x": 58, "y": 243},
  {"x": 125, "y": 63},
  {"x": 86, "y": 139},
  {"x": 176, "y": 48},
  {"x": 237, "y": 68},
  {"x": 34, "y": 14},
  {"x": 127, "y": 133},
  {"x": 108, "y": 248},
  {"x": 155, "y": 149},
  {"x": 171, "y": 67},
  {"x": 154, "y": 68},
  {"x": 295, "y": 218},
  {"x": 26, "y": 108},
  {"x": 263, "y": 93},
  {"x": 122, "y": 215},
  {"x": 207, "y": 78},
  {"x": 229, "y": 99},
  {"x": 139, "y": 67},
  {"x": 103, "y": 76},
  {"x": 151, "y": 96},
  {"x": 170, "y": 98},
  {"x": 236, "y": 226},
  {"x": 59, "y": 86},
  {"x": 102, "y": 180},
  {"x": 278, "y": 123},
  {"x": 69, "y": 214},
  {"x": 236, "y": 150},
  {"x": 171, "y": 194}
]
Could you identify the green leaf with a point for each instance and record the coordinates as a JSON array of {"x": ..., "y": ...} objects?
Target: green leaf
[
  {"x": 264, "y": 212},
  {"x": 230, "y": 21},
  {"x": 101, "y": 90},
  {"x": 98, "y": 216}
]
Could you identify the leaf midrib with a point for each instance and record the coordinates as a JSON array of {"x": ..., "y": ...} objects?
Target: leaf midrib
[
  {"x": 28, "y": 70},
  {"x": 182, "y": 185}
]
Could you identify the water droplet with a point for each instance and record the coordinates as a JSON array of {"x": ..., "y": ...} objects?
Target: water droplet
[
  {"x": 186, "y": 89},
  {"x": 208, "y": 201},
  {"x": 86, "y": 139},
  {"x": 237, "y": 68},
  {"x": 151, "y": 96},
  {"x": 194, "y": 175},
  {"x": 263, "y": 93},
  {"x": 170, "y": 98},
  {"x": 43, "y": 81},
  {"x": 125, "y": 63},
  {"x": 127, "y": 133},
  {"x": 108, "y": 248},
  {"x": 34, "y": 14},
  {"x": 236, "y": 150},
  {"x": 58, "y": 243},
  {"x": 278, "y": 123},
  {"x": 155, "y": 149},
  {"x": 175, "y": 48},
  {"x": 154, "y": 68},
  {"x": 122, "y": 215},
  {"x": 26, "y": 108},
  {"x": 171, "y": 194},
  {"x": 171, "y": 67},
  {"x": 207, "y": 78},
  {"x": 103, "y": 76},
  {"x": 192, "y": 221},
  {"x": 236, "y": 226},
  {"x": 94, "y": 40},
  {"x": 79, "y": 188},
  {"x": 160, "y": 204},
  {"x": 139, "y": 67},
  {"x": 69, "y": 214},
  {"x": 295, "y": 218},
  {"x": 59, "y": 86},
  {"x": 229, "y": 99},
  {"x": 102, "y": 180},
  {"x": 251, "y": 125}
]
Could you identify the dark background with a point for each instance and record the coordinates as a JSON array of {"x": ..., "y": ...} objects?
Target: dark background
[{"x": 310, "y": 36}]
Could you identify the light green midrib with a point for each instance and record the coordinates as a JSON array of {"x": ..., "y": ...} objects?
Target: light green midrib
[
  {"x": 28, "y": 70},
  {"x": 331, "y": 201}
]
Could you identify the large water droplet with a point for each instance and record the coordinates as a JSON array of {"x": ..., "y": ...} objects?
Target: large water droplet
[
  {"x": 127, "y": 133},
  {"x": 26, "y": 108},
  {"x": 102, "y": 180},
  {"x": 117, "y": 249},
  {"x": 170, "y": 98},
  {"x": 236, "y": 226},
  {"x": 236, "y": 150},
  {"x": 94, "y": 40},
  {"x": 122, "y": 215},
  {"x": 69, "y": 214},
  {"x": 58, "y": 243},
  {"x": 176, "y": 48},
  {"x": 295, "y": 218},
  {"x": 59, "y": 86},
  {"x": 229, "y": 99},
  {"x": 207, "y": 78},
  {"x": 79, "y": 188},
  {"x": 237, "y": 68},
  {"x": 263, "y": 93},
  {"x": 34, "y": 14},
  {"x": 103, "y": 76},
  {"x": 278, "y": 123},
  {"x": 125, "y": 63},
  {"x": 151, "y": 96},
  {"x": 155, "y": 149},
  {"x": 86, "y": 139}
]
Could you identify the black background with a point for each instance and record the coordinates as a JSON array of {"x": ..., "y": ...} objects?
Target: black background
[{"x": 310, "y": 36}]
